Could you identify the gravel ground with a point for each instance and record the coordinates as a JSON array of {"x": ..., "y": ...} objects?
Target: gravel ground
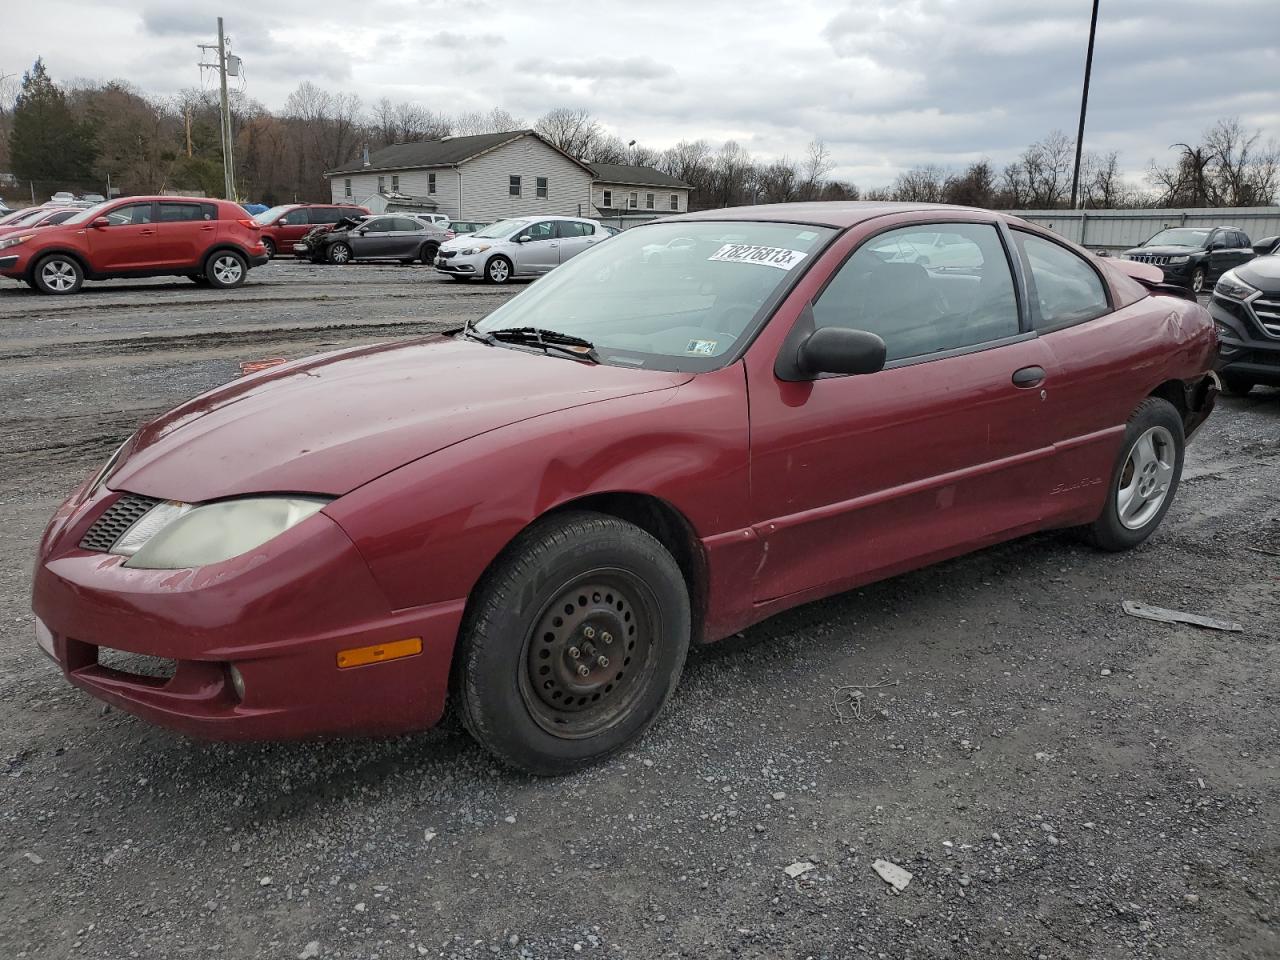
[{"x": 1060, "y": 780}]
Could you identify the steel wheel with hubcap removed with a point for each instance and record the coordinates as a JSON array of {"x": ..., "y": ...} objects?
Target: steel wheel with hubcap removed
[
  {"x": 1145, "y": 477},
  {"x": 497, "y": 270},
  {"x": 225, "y": 268},
  {"x": 58, "y": 275},
  {"x": 572, "y": 643}
]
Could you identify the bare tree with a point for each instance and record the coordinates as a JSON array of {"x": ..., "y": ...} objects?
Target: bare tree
[
  {"x": 920, "y": 184},
  {"x": 815, "y": 169},
  {"x": 975, "y": 186},
  {"x": 573, "y": 131}
]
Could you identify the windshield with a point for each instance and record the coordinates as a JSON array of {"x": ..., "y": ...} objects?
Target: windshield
[
  {"x": 266, "y": 216},
  {"x": 670, "y": 296},
  {"x": 84, "y": 216},
  {"x": 1178, "y": 237},
  {"x": 500, "y": 230}
]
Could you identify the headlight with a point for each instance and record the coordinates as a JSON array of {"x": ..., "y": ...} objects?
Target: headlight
[
  {"x": 8, "y": 242},
  {"x": 175, "y": 535},
  {"x": 1173, "y": 261},
  {"x": 1233, "y": 288},
  {"x": 471, "y": 251}
]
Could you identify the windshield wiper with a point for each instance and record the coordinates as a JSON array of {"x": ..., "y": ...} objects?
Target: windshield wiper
[
  {"x": 565, "y": 343},
  {"x": 470, "y": 332}
]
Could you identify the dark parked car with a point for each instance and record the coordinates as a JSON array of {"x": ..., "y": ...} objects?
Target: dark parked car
[
  {"x": 1194, "y": 256},
  {"x": 386, "y": 237},
  {"x": 303, "y": 248},
  {"x": 285, "y": 225},
  {"x": 211, "y": 241},
  {"x": 1246, "y": 310}
]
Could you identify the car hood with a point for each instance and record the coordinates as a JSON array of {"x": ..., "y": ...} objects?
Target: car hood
[
  {"x": 331, "y": 423},
  {"x": 469, "y": 240},
  {"x": 1261, "y": 272},
  {"x": 1164, "y": 251}
]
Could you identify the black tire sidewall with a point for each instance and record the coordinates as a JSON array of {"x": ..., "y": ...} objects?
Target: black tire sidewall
[
  {"x": 507, "y": 605},
  {"x": 428, "y": 253},
  {"x": 39, "y": 284},
  {"x": 213, "y": 280},
  {"x": 489, "y": 276},
  {"x": 1107, "y": 531}
]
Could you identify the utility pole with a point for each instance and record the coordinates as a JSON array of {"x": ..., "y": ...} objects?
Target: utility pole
[
  {"x": 228, "y": 150},
  {"x": 1084, "y": 105}
]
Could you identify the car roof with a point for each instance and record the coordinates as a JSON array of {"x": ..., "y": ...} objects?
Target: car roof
[{"x": 831, "y": 213}]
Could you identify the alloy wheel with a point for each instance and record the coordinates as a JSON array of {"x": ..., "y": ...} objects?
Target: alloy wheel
[
  {"x": 1146, "y": 478},
  {"x": 499, "y": 272},
  {"x": 227, "y": 270},
  {"x": 1197, "y": 281},
  {"x": 58, "y": 275},
  {"x": 590, "y": 653}
]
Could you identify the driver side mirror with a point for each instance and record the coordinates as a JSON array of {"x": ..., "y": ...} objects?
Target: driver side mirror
[
  {"x": 1218, "y": 244},
  {"x": 840, "y": 350},
  {"x": 100, "y": 222},
  {"x": 523, "y": 238}
]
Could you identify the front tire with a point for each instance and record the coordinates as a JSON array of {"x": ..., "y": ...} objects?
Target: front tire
[
  {"x": 1197, "y": 281},
  {"x": 271, "y": 247},
  {"x": 339, "y": 253},
  {"x": 225, "y": 269},
  {"x": 1145, "y": 478},
  {"x": 58, "y": 274},
  {"x": 572, "y": 644},
  {"x": 498, "y": 270}
]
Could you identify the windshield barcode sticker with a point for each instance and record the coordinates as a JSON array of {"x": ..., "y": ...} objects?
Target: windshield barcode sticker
[{"x": 779, "y": 257}]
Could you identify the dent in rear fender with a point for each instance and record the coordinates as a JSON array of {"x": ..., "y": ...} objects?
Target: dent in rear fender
[{"x": 430, "y": 529}]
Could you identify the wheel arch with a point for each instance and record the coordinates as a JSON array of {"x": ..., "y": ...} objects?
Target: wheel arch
[
  {"x": 1192, "y": 399},
  {"x": 218, "y": 248},
  {"x": 75, "y": 255}
]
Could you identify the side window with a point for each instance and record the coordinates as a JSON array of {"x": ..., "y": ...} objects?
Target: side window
[
  {"x": 382, "y": 184},
  {"x": 405, "y": 225},
  {"x": 346, "y": 188},
  {"x": 540, "y": 187},
  {"x": 325, "y": 214},
  {"x": 208, "y": 211},
  {"x": 431, "y": 183},
  {"x": 648, "y": 201},
  {"x": 1064, "y": 288},
  {"x": 675, "y": 201},
  {"x": 608, "y": 198},
  {"x": 546, "y": 230},
  {"x": 513, "y": 186},
  {"x": 378, "y": 225},
  {"x": 130, "y": 213},
  {"x": 295, "y": 218},
  {"x": 1242, "y": 241},
  {"x": 925, "y": 290},
  {"x": 180, "y": 212}
]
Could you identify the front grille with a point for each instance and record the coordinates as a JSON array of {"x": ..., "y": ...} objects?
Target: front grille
[
  {"x": 119, "y": 517},
  {"x": 137, "y": 664},
  {"x": 1268, "y": 314},
  {"x": 447, "y": 254},
  {"x": 1149, "y": 258}
]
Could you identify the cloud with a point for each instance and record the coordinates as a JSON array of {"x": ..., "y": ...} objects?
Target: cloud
[{"x": 598, "y": 68}]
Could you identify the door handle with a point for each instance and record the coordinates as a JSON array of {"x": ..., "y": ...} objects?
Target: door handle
[
  {"x": 146, "y": 233},
  {"x": 1028, "y": 377}
]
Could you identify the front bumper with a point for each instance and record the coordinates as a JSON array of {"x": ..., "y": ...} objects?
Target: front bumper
[
  {"x": 280, "y": 615},
  {"x": 467, "y": 266},
  {"x": 13, "y": 265},
  {"x": 1244, "y": 347},
  {"x": 301, "y": 250}
]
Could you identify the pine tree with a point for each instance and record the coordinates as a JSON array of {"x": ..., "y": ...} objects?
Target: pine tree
[{"x": 46, "y": 142}]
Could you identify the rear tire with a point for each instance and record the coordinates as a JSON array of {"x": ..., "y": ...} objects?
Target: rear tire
[
  {"x": 572, "y": 643},
  {"x": 428, "y": 253},
  {"x": 1144, "y": 479},
  {"x": 225, "y": 269},
  {"x": 58, "y": 274},
  {"x": 339, "y": 253},
  {"x": 1234, "y": 385}
]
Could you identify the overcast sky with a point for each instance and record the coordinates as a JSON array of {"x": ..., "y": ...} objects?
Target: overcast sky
[{"x": 887, "y": 83}]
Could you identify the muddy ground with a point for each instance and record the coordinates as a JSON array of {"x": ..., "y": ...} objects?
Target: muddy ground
[{"x": 1061, "y": 780}]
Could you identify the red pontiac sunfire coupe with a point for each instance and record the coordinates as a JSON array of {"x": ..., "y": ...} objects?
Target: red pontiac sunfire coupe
[{"x": 537, "y": 514}]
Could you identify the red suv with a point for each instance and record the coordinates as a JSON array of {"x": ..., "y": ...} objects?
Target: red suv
[
  {"x": 213, "y": 242},
  {"x": 284, "y": 226}
]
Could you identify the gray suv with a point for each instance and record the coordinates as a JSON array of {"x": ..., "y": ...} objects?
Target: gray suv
[{"x": 520, "y": 247}]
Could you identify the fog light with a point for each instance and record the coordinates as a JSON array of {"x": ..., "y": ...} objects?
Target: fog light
[{"x": 237, "y": 681}]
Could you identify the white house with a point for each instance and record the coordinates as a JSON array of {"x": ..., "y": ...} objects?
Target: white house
[
  {"x": 496, "y": 175},
  {"x": 485, "y": 177}
]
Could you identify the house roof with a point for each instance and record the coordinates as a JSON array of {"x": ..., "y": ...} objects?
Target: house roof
[
  {"x": 632, "y": 176},
  {"x": 429, "y": 153}
]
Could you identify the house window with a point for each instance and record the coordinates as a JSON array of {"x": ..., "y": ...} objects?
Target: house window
[
  {"x": 540, "y": 186},
  {"x": 382, "y": 184},
  {"x": 346, "y": 188},
  {"x": 513, "y": 186},
  {"x": 675, "y": 202},
  {"x": 633, "y": 200},
  {"x": 395, "y": 184},
  {"x": 648, "y": 201},
  {"x": 608, "y": 198},
  {"x": 431, "y": 183}
]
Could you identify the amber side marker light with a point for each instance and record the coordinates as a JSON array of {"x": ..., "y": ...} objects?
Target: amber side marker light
[{"x": 379, "y": 652}]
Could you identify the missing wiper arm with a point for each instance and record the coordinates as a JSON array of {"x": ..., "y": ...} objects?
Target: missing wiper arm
[{"x": 471, "y": 333}]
